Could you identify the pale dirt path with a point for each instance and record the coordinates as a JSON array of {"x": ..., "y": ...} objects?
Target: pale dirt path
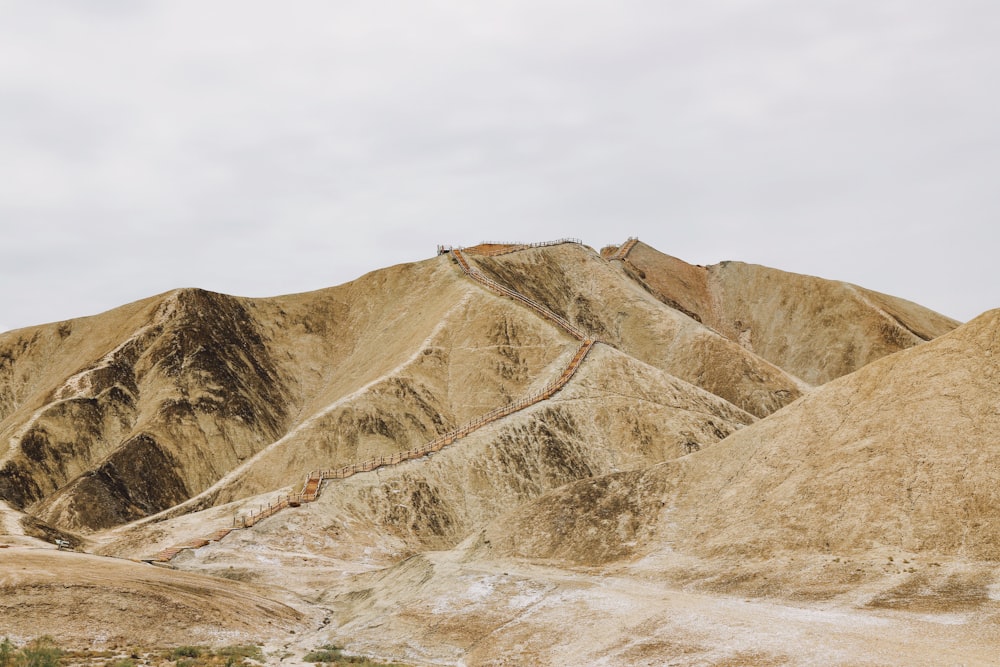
[{"x": 512, "y": 613}]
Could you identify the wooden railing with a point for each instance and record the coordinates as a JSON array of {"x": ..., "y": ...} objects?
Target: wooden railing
[
  {"x": 482, "y": 278},
  {"x": 313, "y": 483},
  {"x": 316, "y": 478},
  {"x": 494, "y": 248}
]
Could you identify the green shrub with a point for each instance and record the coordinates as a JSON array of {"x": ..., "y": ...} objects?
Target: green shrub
[
  {"x": 186, "y": 652},
  {"x": 327, "y": 653},
  {"x": 332, "y": 655},
  {"x": 7, "y": 649},
  {"x": 248, "y": 651},
  {"x": 40, "y": 652}
]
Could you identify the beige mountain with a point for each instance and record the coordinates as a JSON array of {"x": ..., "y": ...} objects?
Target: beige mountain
[
  {"x": 876, "y": 493},
  {"x": 902, "y": 455},
  {"x": 108, "y": 602},
  {"x": 815, "y": 329},
  {"x": 233, "y": 397},
  {"x": 660, "y": 478}
]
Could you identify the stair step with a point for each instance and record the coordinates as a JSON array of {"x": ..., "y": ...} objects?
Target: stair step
[{"x": 166, "y": 554}]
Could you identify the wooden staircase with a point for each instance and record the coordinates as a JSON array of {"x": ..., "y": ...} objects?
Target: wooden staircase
[
  {"x": 313, "y": 484},
  {"x": 493, "y": 285},
  {"x": 167, "y": 554},
  {"x": 624, "y": 249}
]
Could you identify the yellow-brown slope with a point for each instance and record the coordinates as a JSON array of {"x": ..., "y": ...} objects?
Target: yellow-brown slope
[
  {"x": 127, "y": 413},
  {"x": 580, "y": 286},
  {"x": 905, "y": 452},
  {"x": 615, "y": 414},
  {"x": 902, "y": 454},
  {"x": 813, "y": 328},
  {"x": 84, "y": 600}
]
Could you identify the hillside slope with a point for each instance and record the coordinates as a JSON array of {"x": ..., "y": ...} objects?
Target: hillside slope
[
  {"x": 857, "y": 526},
  {"x": 191, "y": 394},
  {"x": 616, "y": 414},
  {"x": 578, "y": 285},
  {"x": 151, "y": 606},
  {"x": 195, "y": 385},
  {"x": 173, "y": 392},
  {"x": 194, "y": 395},
  {"x": 813, "y": 328},
  {"x": 902, "y": 454}
]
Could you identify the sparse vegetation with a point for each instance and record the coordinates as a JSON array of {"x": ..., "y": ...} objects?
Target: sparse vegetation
[
  {"x": 43, "y": 652},
  {"x": 7, "y": 650},
  {"x": 235, "y": 654},
  {"x": 186, "y": 652},
  {"x": 40, "y": 652},
  {"x": 202, "y": 656},
  {"x": 332, "y": 655}
]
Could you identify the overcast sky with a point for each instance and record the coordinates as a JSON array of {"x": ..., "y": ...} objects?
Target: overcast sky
[{"x": 261, "y": 148}]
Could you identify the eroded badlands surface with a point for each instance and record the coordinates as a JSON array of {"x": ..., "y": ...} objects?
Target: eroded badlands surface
[{"x": 750, "y": 467}]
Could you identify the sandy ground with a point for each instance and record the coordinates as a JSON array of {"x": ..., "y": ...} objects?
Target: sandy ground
[
  {"x": 453, "y": 608},
  {"x": 441, "y": 608},
  {"x": 96, "y": 602},
  {"x": 360, "y": 588}
]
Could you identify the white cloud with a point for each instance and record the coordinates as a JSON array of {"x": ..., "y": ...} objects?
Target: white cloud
[{"x": 257, "y": 149}]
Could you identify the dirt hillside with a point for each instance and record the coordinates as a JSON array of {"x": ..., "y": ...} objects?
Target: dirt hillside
[
  {"x": 704, "y": 466},
  {"x": 902, "y": 455},
  {"x": 196, "y": 385},
  {"x": 813, "y": 328},
  {"x": 857, "y": 526},
  {"x": 579, "y": 285},
  {"x": 617, "y": 414},
  {"x": 111, "y": 603},
  {"x": 221, "y": 398}
]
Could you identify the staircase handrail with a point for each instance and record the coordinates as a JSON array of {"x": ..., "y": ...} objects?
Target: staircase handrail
[
  {"x": 624, "y": 249},
  {"x": 479, "y": 276},
  {"x": 502, "y": 248}
]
